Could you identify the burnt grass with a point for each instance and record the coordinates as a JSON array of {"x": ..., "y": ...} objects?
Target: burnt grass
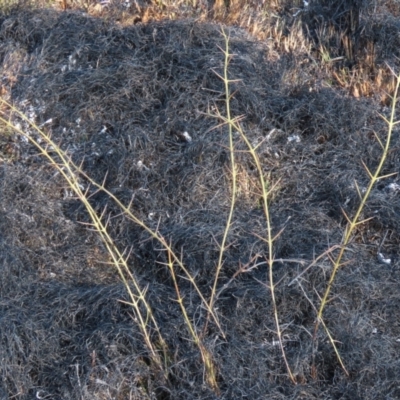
[{"x": 118, "y": 99}]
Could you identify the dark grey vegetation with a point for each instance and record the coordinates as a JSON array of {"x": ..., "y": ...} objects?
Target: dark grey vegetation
[{"x": 118, "y": 100}]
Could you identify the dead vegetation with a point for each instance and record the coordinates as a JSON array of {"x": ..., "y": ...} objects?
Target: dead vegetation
[{"x": 128, "y": 93}]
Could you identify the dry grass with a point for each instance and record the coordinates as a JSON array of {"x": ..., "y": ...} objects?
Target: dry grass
[{"x": 222, "y": 176}]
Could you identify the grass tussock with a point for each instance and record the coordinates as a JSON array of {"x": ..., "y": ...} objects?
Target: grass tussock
[{"x": 185, "y": 205}]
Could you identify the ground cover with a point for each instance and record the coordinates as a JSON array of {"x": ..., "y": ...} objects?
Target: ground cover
[{"x": 241, "y": 159}]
